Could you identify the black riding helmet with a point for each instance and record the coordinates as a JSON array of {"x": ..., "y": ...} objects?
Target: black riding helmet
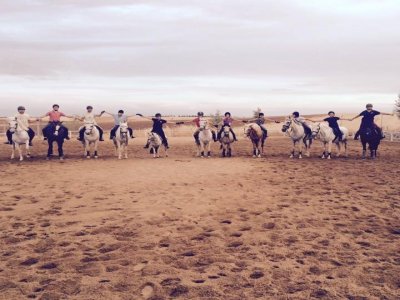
[
  {"x": 89, "y": 107},
  {"x": 21, "y": 108},
  {"x": 296, "y": 114},
  {"x": 158, "y": 115},
  {"x": 200, "y": 114},
  {"x": 227, "y": 114},
  {"x": 369, "y": 105},
  {"x": 120, "y": 111},
  {"x": 331, "y": 112},
  {"x": 56, "y": 105},
  {"x": 261, "y": 114}
]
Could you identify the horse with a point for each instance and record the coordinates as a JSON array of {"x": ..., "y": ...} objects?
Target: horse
[
  {"x": 121, "y": 140},
  {"x": 257, "y": 137},
  {"x": 226, "y": 140},
  {"x": 19, "y": 137},
  {"x": 155, "y": 142},
  {"x": 55, "y": 132},
  {"x": 326, "y": 135},
  {"x": 91, "y": 137},
  {"x": 205, "y": 138},
  {"x": 296, "y": 132},
  {"x": 371, "y": 137}
]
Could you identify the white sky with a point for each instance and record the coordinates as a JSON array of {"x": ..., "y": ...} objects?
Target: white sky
[{"x": 179, "y": 57}]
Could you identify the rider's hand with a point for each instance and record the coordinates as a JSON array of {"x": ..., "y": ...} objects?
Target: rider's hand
[
  {"x": 140, "y": 115},
  {"x": 277, "y": 122}
]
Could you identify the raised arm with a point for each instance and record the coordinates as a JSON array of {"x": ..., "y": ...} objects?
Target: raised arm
[
  {"x": 386, "y": 114},
  {"x": 100, "y": 114},
  {"x": 352, "y": 119},
  {"x": 140, "y": 115}
]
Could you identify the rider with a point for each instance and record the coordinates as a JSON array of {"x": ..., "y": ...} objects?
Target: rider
[
  {"x": 157, "y": 128},
  {"x": 119, "y": 118},
  {"x": 23, "y": 121},
  {"x": 227, "y": 121},
  {"x": 196, "y": 121},
  {"x": 260, "y": 121},
  {"x": 54, "y": 119},
  {"x": 307, "y": 129},
  {"x": 90, "y": 117},
  {"x": 333, "y": 123},
  {"x": 368, "y": 120}
]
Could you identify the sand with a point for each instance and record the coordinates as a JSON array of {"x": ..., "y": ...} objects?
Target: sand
[{"x": 189, "y": 228}]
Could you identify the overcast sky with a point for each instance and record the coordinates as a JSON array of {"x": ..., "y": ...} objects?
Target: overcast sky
[{"x": 178, "y": 57}]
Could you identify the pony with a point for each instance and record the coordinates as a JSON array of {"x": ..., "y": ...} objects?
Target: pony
[
  {"x": 257, "y": 137},
  {"x": 205, "y": 138},
  {"x": 155, "y": 142},
  {"x": 296, "y": 132},
  {"x": 19, "y": 137},
  {"x": 372, "y": 137},
  {"x": 326, "y": 135},
  {"x": 91, "y": 137},
  {"x": 121, "y": 140},
  {"x": 56, "y": 132},
  {"x": 226, "y": 140}
]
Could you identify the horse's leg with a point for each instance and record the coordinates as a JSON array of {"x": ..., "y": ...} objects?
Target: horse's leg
[
  {"x": 87, "y": 149},
  {"x": 329, "y": 150},
  {"x": 21, "y": 158},
  {"x": 293, "y": 150},
  {"x": 13, "y": 151},
  {"x": 28, "y": 151},
  {"x": 345, "y": 148},
  {"x": 50, "y": 149},
  {"x": 96, "y": 145},
  {"x": 339, "y": 149},
  {"x": 301, "y": 150},
  {"x": 364, "y": 153},
  {"x": 209, "y": 149},
  {"x": 60, "y": 145},
  {"x": 119, "y": 150}
]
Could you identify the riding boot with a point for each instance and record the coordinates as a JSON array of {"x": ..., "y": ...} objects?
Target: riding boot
[
  {"x": 147, "y": 145},
  {"x": 357, "y": 135},
  {"x": 131, "y": 133},
  {"x": 81, "y": 135},
  {"x": 101, "y": 133},
  {"x": 9, "y": 137},
  {"x": 234, "y": 135},
  {"x": 214, "y": 136}
]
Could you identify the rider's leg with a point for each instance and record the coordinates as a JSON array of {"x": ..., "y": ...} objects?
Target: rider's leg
[
  {"x": 357, "y": 135},
  {"x": 101, "y": 132},
  {"x": 112, "y": 132},
  {"x": 220, "y": 132},
  {"x": 214, "y": 135},
  {"x": 234, "y": 135},
  {"x": 164, "y": 139},
  {"x": 31, "y": 134},
  {"x": 264, "y": 130},
  {"x": 196, "y": 136},
  {"x": 66, "y": 132},
  {"x": 131, "y": 132},
  {"x": 9, "y": 137},
  {"x": 44, "y": 130},
  {"x": 307, "y": 130},
  {"x": 380, "y": 131},
  {"x": 81, "y": 133}
]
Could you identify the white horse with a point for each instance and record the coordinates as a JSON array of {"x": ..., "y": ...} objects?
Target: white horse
[
  {"x": 155, "y": 142},
  {"x": 226, "y": 141},
  {"x": 121, "y": 140},
  {"x": 326, "y": 135},
  {"x": 19, "y": 137},
  {"x": 296, "y": 132},
  {"x": 205, "y": 139},
  {"x": 91, "y": 137}
]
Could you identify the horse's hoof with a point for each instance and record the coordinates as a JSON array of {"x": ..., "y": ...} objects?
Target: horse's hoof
[
  {"x": 291, "y": 156},
  {"x": 88, "y": 157},
  {"x": 329, "y": 157},
  {"x": 259, "y": 156},
  {"x": 96, "y": 157},
  {"x": 300, "y": 157},
  {"x": 47, "y": 158},
  {"x": 61, "y": 158},
  {"x": 254, "y": 156},
  {"x": 323, "y": 157}
]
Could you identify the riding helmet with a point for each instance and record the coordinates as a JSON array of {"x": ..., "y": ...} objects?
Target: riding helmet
[
  {"x": 331, "y": 112},
  {"x": 261, "y": 114},
  {"x": 369, "y": 105},
  {"x": 296, "y": 114},
  {"x": 21, "y": 108},
  {"x": 200, "y": 114},
  {"x": 56, "y": 105},
  {"x": 120, "y": 111},
  {"x": 227, "y": 114},
  {"x": 158, "y": 115},
  {"x": 89, "y": 107}
]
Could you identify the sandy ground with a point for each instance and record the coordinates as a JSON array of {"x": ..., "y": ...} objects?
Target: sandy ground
[{"x": 189, "y": 228}]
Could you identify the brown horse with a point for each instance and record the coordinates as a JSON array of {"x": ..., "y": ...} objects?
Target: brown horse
[{"x": 257, "y": 137}]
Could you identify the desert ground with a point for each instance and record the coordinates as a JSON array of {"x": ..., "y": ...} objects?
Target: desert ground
[{"x": 183, "y": 227}]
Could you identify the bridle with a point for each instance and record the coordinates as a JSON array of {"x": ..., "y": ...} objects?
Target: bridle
[
  {"x": 316, "y": 131},
  {"x": 90, "y": 130}
]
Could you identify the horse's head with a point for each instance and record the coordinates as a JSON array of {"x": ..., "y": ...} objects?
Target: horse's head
[
  {"x": 226, "y": 130},
  {"x": 203, "y": 124},
  {"x": 89, "y": 126},
  {"x": 315, "y": 130},
  {"x": 123, "y": 127},
  {"x": 288, "y": 123},
  {"x": 12, "y": 125}
]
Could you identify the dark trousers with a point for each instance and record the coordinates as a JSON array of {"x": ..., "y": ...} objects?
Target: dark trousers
[
  {"x": 338, "y": 133},
  {"x": 82, "y": 133},
  {"x": 53, "y": 125},
  {"x": 222, "y": 129},
  {"x": 112, "y": 132},
  {"x": 31, "y": 134}
]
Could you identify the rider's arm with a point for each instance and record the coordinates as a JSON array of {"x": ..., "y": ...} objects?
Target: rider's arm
[
  {"x": 140, "y": 115},
  {"x": 352, "y": 119},
  {"x": 386, "y": 114},
  {"x": 100, "y": 114}
]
